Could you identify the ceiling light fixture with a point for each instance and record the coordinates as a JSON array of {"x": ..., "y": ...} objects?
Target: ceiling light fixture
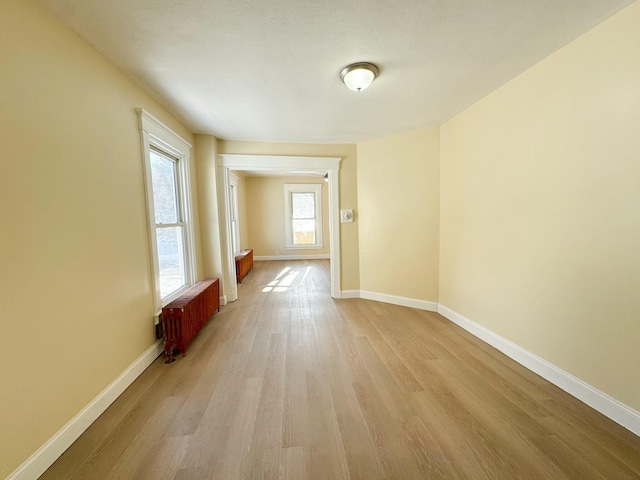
[{"x": 359, "y": 76}]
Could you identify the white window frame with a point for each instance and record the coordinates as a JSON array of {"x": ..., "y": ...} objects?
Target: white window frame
[
  {"x": 289, "y": 189},
  {"x": 158, "y": 136}
]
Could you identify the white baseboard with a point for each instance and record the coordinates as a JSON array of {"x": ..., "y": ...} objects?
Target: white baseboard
[
  {"x": 350, "y": 294},
  {"x": 600, "y": 401},
  {"x": 392, "y": 299},
  {"x": 48, "y": 453},
  {"x": 320, "y": 256},
  {"x": 402, "y": 301}
]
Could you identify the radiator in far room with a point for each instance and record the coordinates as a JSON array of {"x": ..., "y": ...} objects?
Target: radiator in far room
[{"x": 244, "y": 263}]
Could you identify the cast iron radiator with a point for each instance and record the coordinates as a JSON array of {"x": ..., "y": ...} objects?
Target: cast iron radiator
[
  {"x": 183, "y": 318},
  {"x": 244, "y": 263}
]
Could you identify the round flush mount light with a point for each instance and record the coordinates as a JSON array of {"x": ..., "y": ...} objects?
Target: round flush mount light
[{"x": 359, "y": 76}]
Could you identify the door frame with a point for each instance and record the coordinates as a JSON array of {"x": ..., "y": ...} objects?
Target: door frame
[
  {"x": 234, "y": 211},
  {"x": 287, "y": 165}
]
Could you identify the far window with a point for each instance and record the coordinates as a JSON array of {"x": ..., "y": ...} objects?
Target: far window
[{"x": 303, "y": 215}]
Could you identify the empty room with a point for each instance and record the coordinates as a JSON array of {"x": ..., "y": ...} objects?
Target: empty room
[{"x": 320, "y": 240}]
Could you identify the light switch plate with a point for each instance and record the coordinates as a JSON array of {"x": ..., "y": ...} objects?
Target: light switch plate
[{"x": 346, "y": 216}]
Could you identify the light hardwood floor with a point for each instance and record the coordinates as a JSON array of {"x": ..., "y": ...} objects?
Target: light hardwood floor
[{"x": 288, "y": 383}]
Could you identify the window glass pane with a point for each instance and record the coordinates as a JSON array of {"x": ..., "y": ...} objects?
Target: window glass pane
[
  {"x": 303, "y": 205},
  {"x": 304, "y": 232},
  {"x": 171, "y": 259},
  {"x": 303, "y": 215},
  {"x": 163, "y": 176}
]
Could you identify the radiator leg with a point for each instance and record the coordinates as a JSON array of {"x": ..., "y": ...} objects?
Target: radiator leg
[{"x": 168, "y": 352}]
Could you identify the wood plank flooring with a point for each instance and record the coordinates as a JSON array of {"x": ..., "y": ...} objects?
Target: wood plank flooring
[{"x": 287, "y": 383}]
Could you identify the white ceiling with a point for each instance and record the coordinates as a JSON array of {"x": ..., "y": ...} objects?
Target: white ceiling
[{"x": 267, "y": 70}]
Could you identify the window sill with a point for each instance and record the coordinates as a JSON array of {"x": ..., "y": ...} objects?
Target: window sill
[
  {"x": 304, "y": 247},
  {"x": 166, "y": 301}
]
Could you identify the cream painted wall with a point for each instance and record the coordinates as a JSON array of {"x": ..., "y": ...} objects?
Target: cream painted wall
[
  {"x": 75, "y": 286},
  {"x": 206, "y": 151},
  {"x": 265, "y": 216},
  {"x": 348, "y": 191},
  {"x": 540, "y": 209},
  {"x": 398, "y": 198}
]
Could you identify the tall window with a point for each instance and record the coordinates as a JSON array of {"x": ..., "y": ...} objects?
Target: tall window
[
  {"x": 303, "y": 215},
  {"x": 166, "y": 158},
  {"x": 169, "y": 222}
]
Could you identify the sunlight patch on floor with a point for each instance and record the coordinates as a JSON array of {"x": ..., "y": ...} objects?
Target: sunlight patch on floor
[{"x": 282, "y": 282}]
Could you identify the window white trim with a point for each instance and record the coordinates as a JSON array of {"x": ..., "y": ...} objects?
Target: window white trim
[
  {"x": 155, "y": 134},
  {"x": 284, "y": 165},
  {"x": 289, "y": 189}
]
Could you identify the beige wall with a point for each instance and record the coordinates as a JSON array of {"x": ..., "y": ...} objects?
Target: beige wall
[
  {"x": 205, "y": 148},
  {"x": 540, "y": 209},
  {"x": 398, "y": 199},
  {"x": 266, "y": 212},
  {"x": 75, "y": 288},
  {"x": 348, "y": 190}
]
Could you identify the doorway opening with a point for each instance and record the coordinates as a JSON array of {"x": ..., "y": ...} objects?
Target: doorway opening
[{"x": 286, "y": 166}]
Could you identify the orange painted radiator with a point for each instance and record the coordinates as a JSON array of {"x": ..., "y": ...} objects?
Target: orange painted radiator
[{"x": 183, "y": 318}]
